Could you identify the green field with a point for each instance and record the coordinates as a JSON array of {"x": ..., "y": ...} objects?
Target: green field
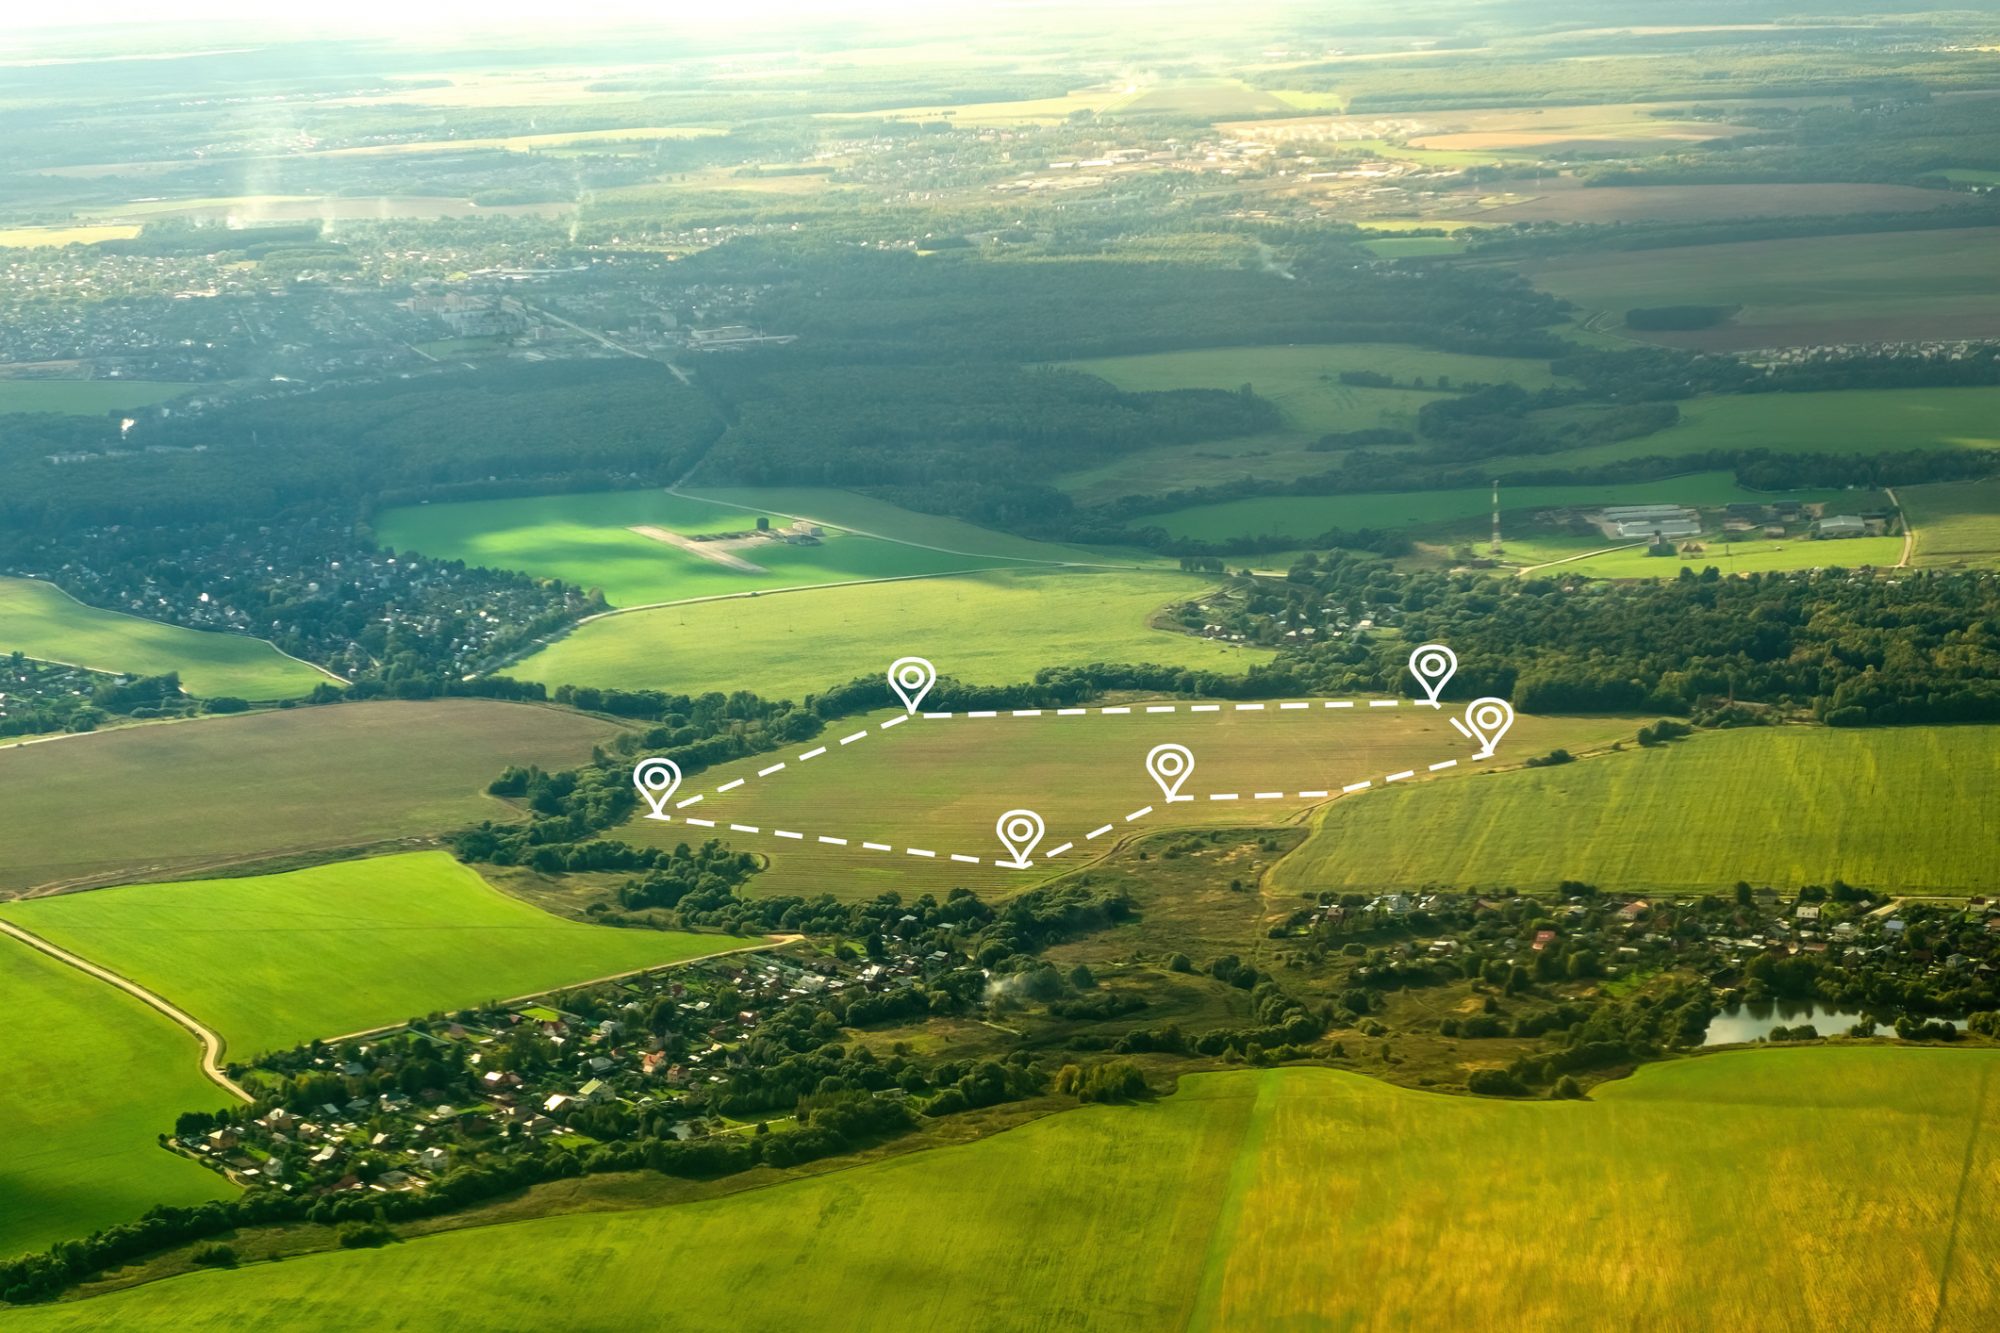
[
  {"x": 83, "y": 398},
  {"x": 585, "y": 540},
  {"x": 1802, "y": 291},
  {"x": 1762, "y": 556},
  {"x": 92, "y": 1076},
  {"x": 272, "y": 961},
  {"x": 1283, "y": 1198},
  {"x": 1304, "y": 382},
  {"x": 952, "y": 778},
  {"x": 871, "y": 517},
  {"x": 1415, "y": 247},
  {"x": 43, "y": 621},
  {"x": 1842, "y": 421},
  {"x": 989, "y": 629},
  {"x": 1904, "y": 809},
  {"x": 1957, "y": 523},
  {"x": 1304, "y": 517},
  {"x": 174, "y": 799}
]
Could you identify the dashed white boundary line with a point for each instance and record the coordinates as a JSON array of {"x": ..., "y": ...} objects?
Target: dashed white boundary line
[{"x": 1092, "y": 836}]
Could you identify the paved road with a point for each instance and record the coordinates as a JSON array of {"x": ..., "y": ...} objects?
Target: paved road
[{"x": 211, "y": 1040}]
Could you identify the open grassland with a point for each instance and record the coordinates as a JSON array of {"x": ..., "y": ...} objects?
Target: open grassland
[
  {"x": 1565, "y": 199},
  {"x": 1304, "y": 382},
  {"x": 151, "y": 802},
  {"x": 78, "y": 235},
  {"x": 1276, "y": 456},
  {"x": 45, "y": 622},
  {"x": 878, "y": 518},
  {"x": 92, "y": 1076},
  {"x": 587, "y": 540},
  {"x": 941, "y": 783},
  {"x": 1285, "y": 1198},
  {"x": 1957, "y": 523},
  {"x": 1415, "y": 247},
  {"x": 1632, "y": 126},
  {"x": 1307, "y": 516},
  {"x": 1761, "y": 556},
  {"x": 1841, "y": 421},
  {"x": 84, "y": 398},
  {"x": 987, "y": 629},
  {"x": 1904, "y": 810},
  {"x": 271, "y": 961},
  {"x": 1800, "y": 291}
]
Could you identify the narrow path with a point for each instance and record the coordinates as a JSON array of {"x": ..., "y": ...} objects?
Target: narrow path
[
  {"x": 1909, "y": 533},
  {"x": 1551, "y": 564},
  {"x": 211, "y": 1040}
]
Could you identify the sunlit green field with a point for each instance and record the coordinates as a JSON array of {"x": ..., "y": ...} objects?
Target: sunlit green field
[
  {"x": 92, "y": 1076},
  {"x": 1902, "y": 809},
  {"x": 83, "y": 398},
  {"x": 271, "y": 961},
  {"x": 1307, "y": 516},
  {"x": 941, "y": 783},
  {"x": 1730, "y": 557},
  {"x": 175, "y": 799},
  {"x": 988, "y": 629},
  {"x": 1305, "y": 384},
  {"x": 1286, "y": 1198},
  {"x": 1957, "y": 522},
  {"x": 1843, "y": 421},
  {"x": 41, "y": 620},
  {"x": 585, "y": 540}
]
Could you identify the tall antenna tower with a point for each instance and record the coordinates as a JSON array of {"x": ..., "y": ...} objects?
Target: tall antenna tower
[{"x": 1496, "y": 517}]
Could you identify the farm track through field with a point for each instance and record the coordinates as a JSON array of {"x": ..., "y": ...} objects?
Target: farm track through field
[
  {"x": 210, "y": 1039},
  {"x": 1909, "y": 532},
  {"x": 1958, "y": 1200}
]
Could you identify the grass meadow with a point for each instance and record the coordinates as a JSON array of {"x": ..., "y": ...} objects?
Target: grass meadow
[
  {"x": 940, "y": 784},
  {"x": 160, "y": 801},
  {"x": 1762, "y": 556},
  {"x": 1957, "y": 523},
  {"x": 1307, "y": 516},
  {"x": 1304, "y": 381},
  {"x": 271, "y": 961},
  {"x": 1902, "y": 809},
  {"x": 987, "y": 629},
  {"x": 583, "y": 539},
  {"x": 868, "y": 516},
  {"x": 92, "y": 1076},
  {"x": 83, "y": 398},
  {"x": 45, "y": 622},
  {"x": 1840, "y": 421},
  {"x": 1287, "y": 1198},
  {"x": 1801, "y": 291}
]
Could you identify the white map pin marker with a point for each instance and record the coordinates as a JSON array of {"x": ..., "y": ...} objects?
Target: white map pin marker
[
  {"x": 1433, "y": 665},
  {"x": 1486, "y": 721},
  {"x": 1019, "y": 831},
  {"x": 1170, "y": 766},
  {"x": 656, "y": 780},
  {"x": 911, "y": 678}
]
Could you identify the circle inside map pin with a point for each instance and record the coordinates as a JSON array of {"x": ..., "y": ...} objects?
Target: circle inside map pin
[
  {"x": 1020, "y": 831},
  {"x": 1433, "y": 665},
  {"x": 911, "y": 678},
  {"x": 657, "y": 779}
]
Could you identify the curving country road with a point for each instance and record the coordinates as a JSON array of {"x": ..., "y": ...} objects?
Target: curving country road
[{"x": 211, "y": 1041}]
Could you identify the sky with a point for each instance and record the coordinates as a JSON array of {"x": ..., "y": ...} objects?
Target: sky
[{"x": 390, "y": 16}]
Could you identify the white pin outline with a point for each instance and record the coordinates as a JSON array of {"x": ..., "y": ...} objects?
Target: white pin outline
[
  {"x": 1171, "y": 779},
  {"x": 922, "y": 676},
  {"x": 1443, "y": 665},
  {"x": 647, "y": 776},
  {"x": 1482, "y": 716},
  {"x": 1019, "y": 842}
]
